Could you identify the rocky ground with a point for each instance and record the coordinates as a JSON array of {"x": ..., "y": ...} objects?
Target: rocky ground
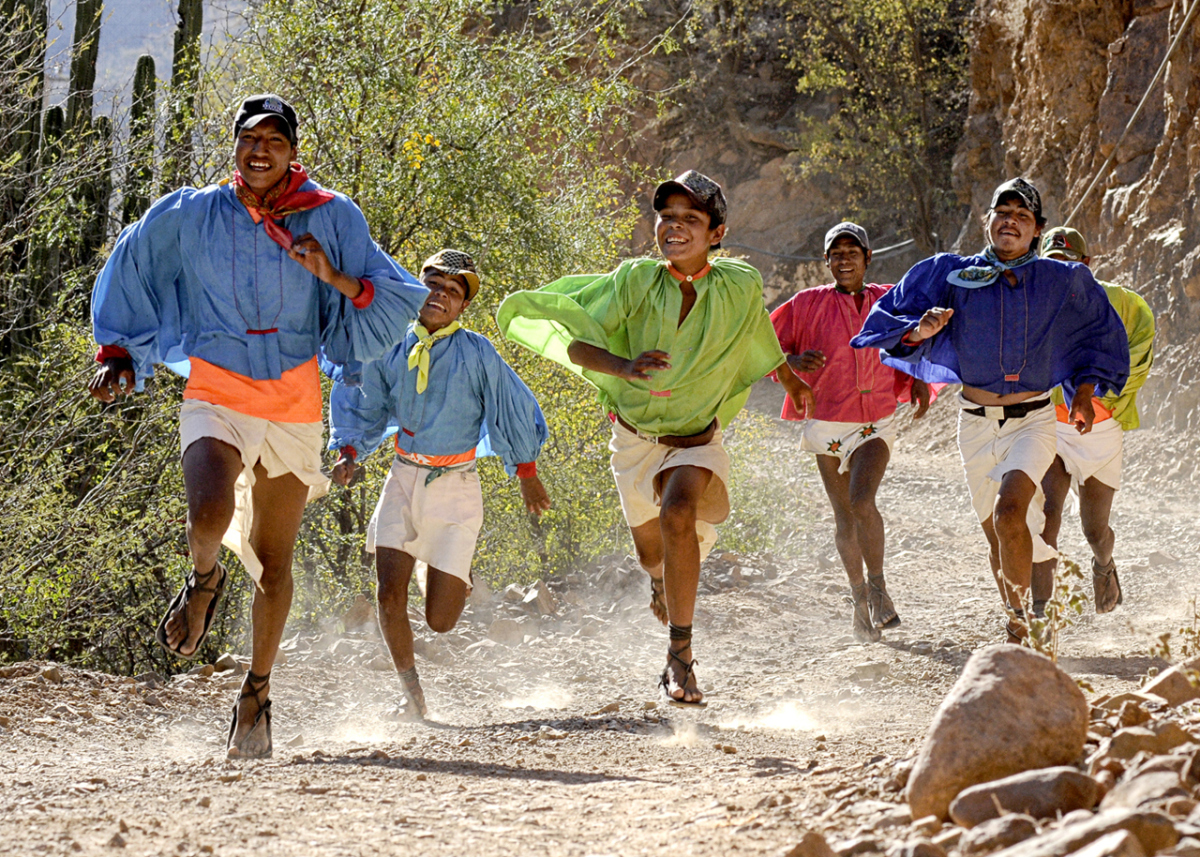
[{"x": 549, "y": 735}]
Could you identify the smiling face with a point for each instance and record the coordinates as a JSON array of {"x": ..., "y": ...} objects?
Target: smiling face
[
  {"x": 447, "y": 299},
  {"x": 263, "y": 154},
  {"x": 1012, "y": 228},
  {"x": 683, "y": 233},
  {"x": 847, "y": 262}
]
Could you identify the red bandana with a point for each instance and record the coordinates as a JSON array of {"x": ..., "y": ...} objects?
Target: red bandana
[{"x": 283, "y": 199}]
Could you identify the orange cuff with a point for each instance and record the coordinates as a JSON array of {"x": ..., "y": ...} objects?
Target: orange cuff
[{"x": 365, "y": 296}]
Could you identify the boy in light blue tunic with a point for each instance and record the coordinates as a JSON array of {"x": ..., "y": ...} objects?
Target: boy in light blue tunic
[{"x": 448, "y": 396}]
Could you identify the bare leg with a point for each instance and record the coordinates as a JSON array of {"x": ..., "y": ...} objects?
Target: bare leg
[
  {"x": 278, "y": 510},
  {"x": 1055, "y": 485},
  {"x": 394, "y": 569},
  {"x": 648, "y": 543},
  {"x": 846, "y": 538},
  {"x": 1095, "y": 507},
  {"x": 1013, "y": 537},
  {"x": 681, "y": 492},
  {"x": 210, "y": 469}
]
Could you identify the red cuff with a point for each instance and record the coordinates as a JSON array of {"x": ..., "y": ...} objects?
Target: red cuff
[
  {"x": 904, "y": 340},
  {"x": 527, "y": 470},
  {"x": 110, "y": 352},
  {"x": 365, "y": 296},
  {"x": 350, "y": 452}
]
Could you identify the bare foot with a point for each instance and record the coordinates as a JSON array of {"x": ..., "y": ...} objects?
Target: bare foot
[
  {"x": 863, "y": 628},
  {"x": 416, "y": 708},
  {"x": 185, "y": 627},
  {"x": 679, "y": 676},
  {"x": 250, "y": 732}
]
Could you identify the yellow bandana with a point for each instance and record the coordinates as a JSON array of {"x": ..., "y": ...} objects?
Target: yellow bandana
[{"x": 419, "y": 356}]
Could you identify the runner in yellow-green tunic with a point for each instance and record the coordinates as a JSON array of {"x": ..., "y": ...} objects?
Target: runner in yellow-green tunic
[
  {"x": 673, "y": 346},
  {"x": 1092, "y": 462}
]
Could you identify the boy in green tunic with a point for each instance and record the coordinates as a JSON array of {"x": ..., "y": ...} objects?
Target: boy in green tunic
[{"x": 673, "y": 347}]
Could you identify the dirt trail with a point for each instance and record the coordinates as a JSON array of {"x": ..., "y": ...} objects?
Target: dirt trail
[{"x": 559, "y": 743}]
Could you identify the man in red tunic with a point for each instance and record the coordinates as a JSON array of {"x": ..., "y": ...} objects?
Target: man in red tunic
[{"x": 852, "y": 427}]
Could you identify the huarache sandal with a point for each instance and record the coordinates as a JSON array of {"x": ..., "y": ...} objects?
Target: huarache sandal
[
  {"x": 863, "y": 628},
  {"x": 883, "y": 612},
  {"x": 255, "y": 744},
  {"x": 194, "y": 583},
  {"x": 658, "y": 599},
  {"x": 667, "y": 682},
  {"x": 1106, "y": 586},
  {"x": 1015, "y": 627}
]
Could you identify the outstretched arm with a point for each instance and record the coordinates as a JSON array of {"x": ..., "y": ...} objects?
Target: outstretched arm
[
  {"x": 115, "y": 377},
  {"x": 799, "y": 392},
  {"x": 599, "y": 360}
]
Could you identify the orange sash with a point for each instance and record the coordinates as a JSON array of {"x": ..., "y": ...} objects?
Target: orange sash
[{"x": 294, "y": 398}]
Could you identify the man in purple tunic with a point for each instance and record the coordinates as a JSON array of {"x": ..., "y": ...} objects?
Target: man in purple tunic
[{"x": 1009, "y": 327}]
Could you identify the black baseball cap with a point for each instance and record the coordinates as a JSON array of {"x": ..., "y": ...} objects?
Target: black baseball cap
[
  {"x": 1023, "y": 191},
  {"x": 848, "y": 230},
  {"x": 259, "y": 107}
]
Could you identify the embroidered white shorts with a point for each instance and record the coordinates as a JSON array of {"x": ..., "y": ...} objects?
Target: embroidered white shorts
[
  {"x": 990, "y": 450},
  {"x": 637, "y": 463},
  {"x": 436, "y": 524},
  {"x": 1096, "y": 454},
  {"x": 825, "y": 437},
  {"x": 281, "y": 448}
]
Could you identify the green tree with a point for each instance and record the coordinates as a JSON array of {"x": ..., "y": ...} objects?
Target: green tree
[{"x": 894, "y": 76}]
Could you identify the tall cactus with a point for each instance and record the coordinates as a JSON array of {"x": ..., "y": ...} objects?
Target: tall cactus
[
  {"x": 185, "y": 76},
  {"x": 84, "y": 50},
  {"x": 45, "y": 258},
  {"x": 97, "y": 192},
  {"x": 141, "y": 142}
]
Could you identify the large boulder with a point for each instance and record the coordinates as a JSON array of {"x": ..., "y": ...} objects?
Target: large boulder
[
  {"x": 1011, "y": 710},
  {"x": 1153, "y": 831},
  {"x": 1043, "y": 793}
]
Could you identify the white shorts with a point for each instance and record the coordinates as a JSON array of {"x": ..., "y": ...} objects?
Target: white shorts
[
  {"x": 636, "y": 465},
  {"x": 990, "y": 450},
  {"x": 1096, "y": 454},
  {"x": 280, "y": 447},
  {"x": 825, "y": 437},
  {"x": 436, "y": 524}
]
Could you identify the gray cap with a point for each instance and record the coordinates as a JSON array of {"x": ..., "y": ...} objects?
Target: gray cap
[
  {"x": 849, "y": 230},
  {"x": 705, "y": 193}
]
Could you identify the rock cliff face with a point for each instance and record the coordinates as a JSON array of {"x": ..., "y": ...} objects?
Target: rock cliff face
[{"x": 1054, "y": 83}]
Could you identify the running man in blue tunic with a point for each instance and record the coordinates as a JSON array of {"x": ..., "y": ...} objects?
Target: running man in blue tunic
[
  {"x": 1009, "y": 327},
  {"x": 448, "y": 396},
  {"x": 212, "y": 283}
]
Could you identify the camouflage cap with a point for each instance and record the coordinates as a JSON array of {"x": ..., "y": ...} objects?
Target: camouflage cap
[
  {"x": 1066, "y": 242},
  {"x": 703, "y": 191},
  {"x": 456, "y": 263},
  {"x": 1024, "y": 191}
]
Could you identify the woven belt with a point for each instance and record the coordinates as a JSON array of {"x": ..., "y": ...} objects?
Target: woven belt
[
  {"x": 435, "y": 472},
  {"x": 1007, "y": 412},
  {"x": 671, "y": 440}
]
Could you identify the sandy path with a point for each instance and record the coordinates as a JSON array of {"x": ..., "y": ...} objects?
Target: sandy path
[{"x": 560, "y": 744}]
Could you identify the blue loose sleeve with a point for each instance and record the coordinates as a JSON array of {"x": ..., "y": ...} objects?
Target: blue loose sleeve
[
  {"x": 361, "y": 416},
  {"x": 516, "y": 428}
]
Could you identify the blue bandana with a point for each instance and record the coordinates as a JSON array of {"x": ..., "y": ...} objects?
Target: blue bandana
[{"x": 978, "y": 276}]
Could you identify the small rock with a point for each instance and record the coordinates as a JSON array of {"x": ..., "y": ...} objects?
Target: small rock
[
  {"x": 1119, "y": 843},
  {"x": 858, "y": 845},
  {"x": 343, "y": 648},
  {"x": 117, "y": 841},
  {"x": 204, "y": 802},
  {"x": 871, "y": 671},
  {"x": 1158, "y": 738},
  {"x": 611, "y": 708},
  {"x": 122, "y": 826},
  {"x": 150, "y": 679},
  {"x": 153, "y": 701},
  {"x": 1040, "y": 794},
  {"x": 997, "y": 833},
  {"x": 811, "y": 844},
  {"x": 382, "y": 756},
  {"x": 728, "y": 748},
  {"x": 930, "y": 826},
  {"x": 380, "y": 664},
  {"x": 948, "y": 838},
  {"x": 1174, "y": 685},
  {"x": 281, "y": 658},
  {"x": 1132, "y": 714},
  {"x": 227, "y": 662},
  {"x": 917, "y": 848},
  {"x": 506, "y": 632},
  {"x": 514, "y": 594},
  {"x": 54, "y": 676},
  {"x": 542, "y": 599},
  {"x": 205, "y": 670},
  {"x": 1187, "y": 847},
  {"x": 360, "y": 616},
  {"x": 1011, "y": 710},
  {"x": 1155, "y": 831},
  {"x": 1157, "y": 558},
  {"x": 1144, "y": 788}
]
